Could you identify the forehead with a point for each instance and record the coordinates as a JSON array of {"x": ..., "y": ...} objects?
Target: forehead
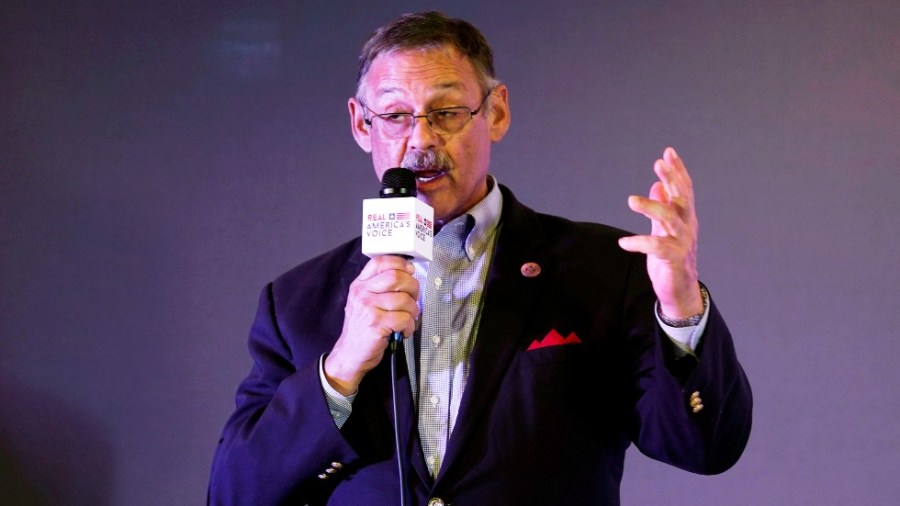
[{"x": 408, "y": 73}]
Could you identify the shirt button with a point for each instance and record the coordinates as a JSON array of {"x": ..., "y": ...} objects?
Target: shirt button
[
  {"x": 436, "y": 340},
  {"x": 434, "y": 400},
  {"x": 438, "y": 282}
]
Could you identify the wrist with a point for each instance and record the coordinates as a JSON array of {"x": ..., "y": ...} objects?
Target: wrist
[
  {"x": 343, "y": 384},
  {"x": 691, "y": 319}
]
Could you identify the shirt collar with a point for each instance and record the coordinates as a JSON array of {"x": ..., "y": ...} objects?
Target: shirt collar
[{"x": 480, "y": 221}]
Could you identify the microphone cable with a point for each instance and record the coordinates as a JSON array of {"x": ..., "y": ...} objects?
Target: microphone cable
[{"x": 401, "y": 471}]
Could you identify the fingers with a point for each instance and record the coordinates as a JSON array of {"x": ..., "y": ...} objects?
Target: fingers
[
  {"x": 391, "y": 278},
  {"x": 662, "y": 248},
  {"x": 666, "y": 219},
  {"x": 674, "y": 192},
  {"x": 384, "y": 296},
  {"x": 670, "y": 208},
  {"x": 674, "y": 177},
  {"x": 384, "y": 263}
]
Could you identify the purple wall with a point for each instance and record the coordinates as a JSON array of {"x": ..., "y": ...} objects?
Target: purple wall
[{"x": 161, "y": 161}]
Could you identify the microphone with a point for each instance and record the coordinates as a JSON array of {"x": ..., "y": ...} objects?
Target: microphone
[{"x": 397, "y": 223}]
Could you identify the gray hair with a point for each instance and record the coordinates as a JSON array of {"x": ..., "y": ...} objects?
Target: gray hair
[{"x": 429, "y": 30}]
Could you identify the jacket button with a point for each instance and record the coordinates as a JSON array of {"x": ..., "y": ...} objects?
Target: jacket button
[
  {"x": 435, "y": 501},
  {"x": 696, "y": 402}
]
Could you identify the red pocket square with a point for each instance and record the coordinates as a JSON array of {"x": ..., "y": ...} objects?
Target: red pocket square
[{"x": 554, "y": 338}]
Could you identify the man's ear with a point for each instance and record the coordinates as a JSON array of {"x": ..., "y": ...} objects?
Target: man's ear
[
  {"x": 498, "y": 117},
  {"x": 361, "y": 131}
]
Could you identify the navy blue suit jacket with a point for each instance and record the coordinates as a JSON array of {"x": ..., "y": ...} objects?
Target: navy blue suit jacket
[{"x": 548, "y": 425}]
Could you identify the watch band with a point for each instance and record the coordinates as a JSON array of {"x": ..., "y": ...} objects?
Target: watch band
[{"x": 685, "y": 322}]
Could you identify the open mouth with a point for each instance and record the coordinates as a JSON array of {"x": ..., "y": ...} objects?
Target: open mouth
[
  {"x": 428, "y": 165},
  {"x": 428, "y": 175}
]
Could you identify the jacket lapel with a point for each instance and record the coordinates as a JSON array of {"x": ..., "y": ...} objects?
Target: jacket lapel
[{"x": 509, "y": 295}]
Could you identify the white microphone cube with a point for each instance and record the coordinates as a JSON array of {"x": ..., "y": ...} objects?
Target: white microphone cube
[{"x": 397, "y": 226}]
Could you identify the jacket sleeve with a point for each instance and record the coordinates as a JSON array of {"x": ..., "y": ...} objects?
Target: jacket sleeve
[
  {"x": 281, "y": 443},
  {"x": 666, "y": 426},
  {"x": 281, "y": 435}
]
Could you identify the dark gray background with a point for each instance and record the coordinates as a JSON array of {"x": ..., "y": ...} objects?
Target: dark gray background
[{"x": 161, "y": 161}]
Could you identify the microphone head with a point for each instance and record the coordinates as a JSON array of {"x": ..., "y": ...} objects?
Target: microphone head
[{"x": 398, "y": 182}]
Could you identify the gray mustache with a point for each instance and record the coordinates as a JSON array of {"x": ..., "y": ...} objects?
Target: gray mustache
[{"x": 423, "y": 160}]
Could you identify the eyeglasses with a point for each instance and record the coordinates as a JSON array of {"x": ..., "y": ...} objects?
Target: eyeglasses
[{"x": 446, "y": 121}]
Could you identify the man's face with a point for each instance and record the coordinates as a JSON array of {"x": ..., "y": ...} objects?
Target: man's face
[{"x": 418, "y": 81}]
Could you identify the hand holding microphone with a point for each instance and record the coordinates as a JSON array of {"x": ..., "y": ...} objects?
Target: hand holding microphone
[
  {"x": 397, "y": 223},
  {"x": 382, "y": 301}
]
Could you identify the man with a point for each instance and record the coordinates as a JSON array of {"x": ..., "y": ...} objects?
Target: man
[{"x": 537, "y": 349}]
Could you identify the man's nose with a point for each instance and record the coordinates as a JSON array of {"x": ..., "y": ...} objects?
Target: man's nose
[{"x": 422, "y": 134}]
